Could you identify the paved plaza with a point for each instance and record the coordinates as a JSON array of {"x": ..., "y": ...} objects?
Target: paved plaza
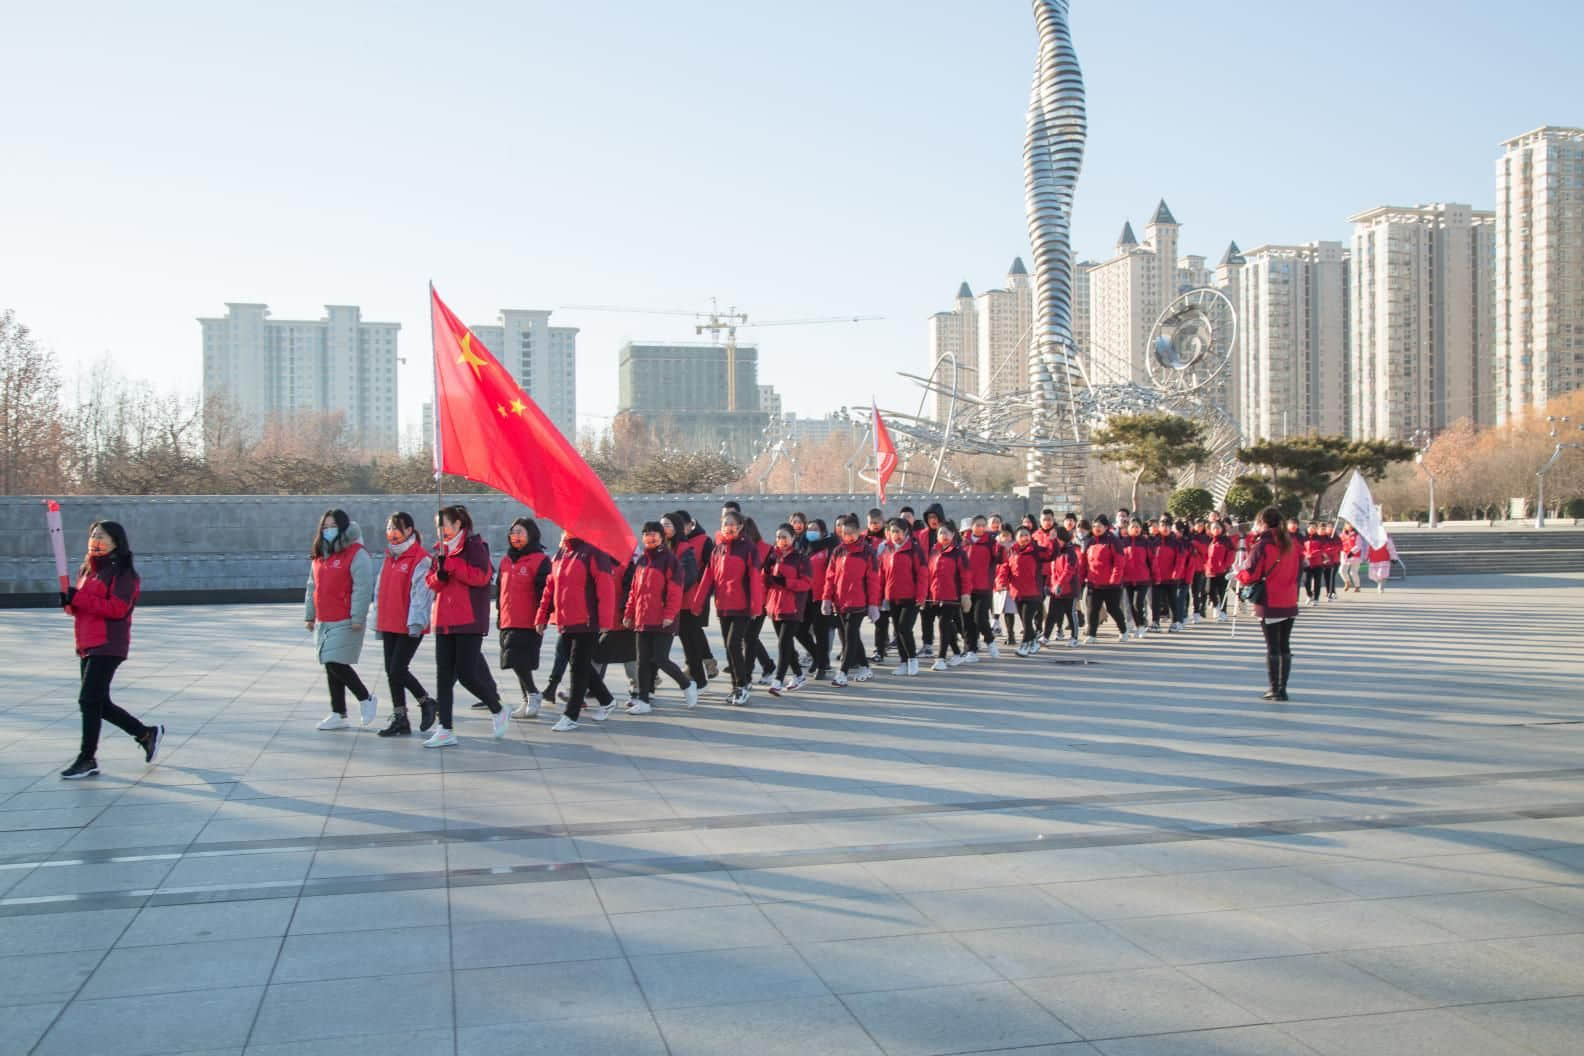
[{"x": 1117, "y": 850}]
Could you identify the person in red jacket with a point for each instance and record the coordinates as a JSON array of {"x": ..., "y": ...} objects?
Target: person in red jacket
[
  {"x": 401, "y": 619},
  {"x": 1273, "y": 562},
  {"x": 1064, "y": 578},
  {"x": 733, "y": 577},
  {"x": 1352, "y": 559},
  {"x": 1003, "y": 603},
  {"x": 520, "y": 583},
  {"x": 927, "y": 537},
  {"x": 580, "y": 597},
  {"x": 1103, "y": 558},
  {"x": 654, "y": 604},
  {"x": 1314, "y": 562},
  {"x": 460, "y": 580},
  {"x": 1136, "y": 575},
  {"x": 814, "y": 633},
  {"x": 757, "y": 654},
  {"x": 100, "y": 606},
  {"x": 851, "y": 593},
  {"x": 690, "y": 629},
  {"x": 949, "y": 595},
  {"x": 902, "y": 573},
  {"x": 788, "y": 578},
  {"x": 335, "y": 607},
  {"x": 1198, "y": 538},
  {"x": 1333, "y": 555},
  {"x": 694, "y": 621},
  {"x": 980, "y": 547},
  {"x": 1218, "y": 562},
  {"x": 1019, "y": 576}
]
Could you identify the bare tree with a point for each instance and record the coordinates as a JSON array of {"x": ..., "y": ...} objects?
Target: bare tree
[{"x": 31, "y": 433}]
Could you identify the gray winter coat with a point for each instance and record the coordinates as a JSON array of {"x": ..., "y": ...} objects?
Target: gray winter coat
[{"x": 337, "y": 642}]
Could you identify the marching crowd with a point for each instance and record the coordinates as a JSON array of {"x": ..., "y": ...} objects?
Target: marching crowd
[{"x": 932, "y": 592}]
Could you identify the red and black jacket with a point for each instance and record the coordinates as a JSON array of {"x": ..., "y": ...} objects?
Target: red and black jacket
[
  {"x": 101, "y": 610},
  {"x": 1066, "y": 571},
  {"x": 462, "y": 602},
  {"x": 654, "y": 593},
  {"x": 519, "y": 587},
  {"x": 948, "y": 575},
  {"x": 1280, "y": 573},
  {"x": 1103, "y": 558},
  {"x": 982, "y": 560},
  {"x": 1019, "y": 573},
  {"x": 852, "y": 577},
  {"x": 786, "y": 600},
  {"x": 1135, "y": 560},
  {"x": 903, "y": 572},
  {"x": 581, "y": 594},
  {"x": 1222, "y": 553},
  {"x": 699, "y": 545},
  {"x": 733, "y": 576}
]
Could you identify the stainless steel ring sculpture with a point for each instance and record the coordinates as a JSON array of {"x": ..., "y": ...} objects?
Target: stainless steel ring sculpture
[{"x": 1052, "y": 158}]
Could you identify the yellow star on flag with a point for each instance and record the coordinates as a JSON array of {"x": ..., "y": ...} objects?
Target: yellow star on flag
[
  {"x": 470, "y": 357},
  {"x": 518, "y": 406},
  {"x": 501, "y": 410}
]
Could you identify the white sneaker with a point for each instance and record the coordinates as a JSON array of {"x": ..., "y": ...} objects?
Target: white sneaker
[
  {"x": 563, "y": 725},
  {"x": 1220, "y": 616},
  {"x": 440, "y": 738},
  {"x": 741, "y": 699},
  {"x": 839, "y": 679},
  {"x": 639, "y": 707},
  {"x": 995, "y": 651},
  {"x": 1023, "y": 649},
  {"x": 1036, "y": 645},
  {"x": 500, "y": 722},
  {"x": 913, "y": 666},
  {"x": 333, "y": 721},
  {"x": 1072, "y": 643},
  {"x": 1193, "y": 617},
  {"x": 938, "y": 665},
  {"x": 1042, "y": 640},
  {"x": 367, "y": 710},
  {"x": 797, "y": 683},
  {"x": 601, "y": 712},
  {"x": 957, "y": 660},
  {"x": 902, "y": 668},
  {"x": 1089, "y": 639},
  {"x": 776, "y": 687},
  {"x": 863, "y": 674},
  {"x": 690, "y": 695},
  {"x": 970, "y": 658},
  {"x": 529, "y": 708},
  {"x": 763, "y": 680}
]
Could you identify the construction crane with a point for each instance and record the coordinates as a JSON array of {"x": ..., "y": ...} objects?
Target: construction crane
[{"x": 716, "y": 322}]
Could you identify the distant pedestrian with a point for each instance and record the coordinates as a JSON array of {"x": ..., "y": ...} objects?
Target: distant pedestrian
[
  {"x": 100, "y": 606},
  {"x": 336, "y": 605},
  {"x": 401, "y": 619}
]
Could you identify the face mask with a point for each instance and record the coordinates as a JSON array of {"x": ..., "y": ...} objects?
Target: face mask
[
  {"x": 330, "y": 534},
  {"x": 98, "y": 548},
  {"x": 812, "y": 535}
]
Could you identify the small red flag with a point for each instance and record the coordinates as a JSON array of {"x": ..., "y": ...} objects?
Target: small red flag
[
  {"x": 885, "y": 454},
  {"x": 489, "y": 431}
]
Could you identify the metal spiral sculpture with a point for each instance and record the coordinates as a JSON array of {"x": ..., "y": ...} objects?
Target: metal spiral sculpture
[{"x": 1052, "y": 157}]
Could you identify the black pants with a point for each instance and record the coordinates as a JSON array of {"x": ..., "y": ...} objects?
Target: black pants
[
  {"x": 342, "y": 678},
  {"x": 1010, "y": 620},
  {"x": 1138, "y": 603},
  {"x": 1278, "y": 637},
  {"x": 853, "y": 656},
  {"x": 1312, "y": 580},
  {"x": 1161, "y": 603},
  {"x": 927, "y": 625},
  {"x": 558, "y": 666},
  {"x": 460, "y": 658},
  {"x": 585, "y": 680},
  {"x": 1198, "y": 593},
  {"x": 1330, "y": 579},
  {"x": 654, "y": 656},
  {"x": 948, "y": 617},
  {"x": 1063, "y": 609},
  {"x": 695, "y": 646},
  {"x": 882, "y": 634},
  {"x": 786, "y": 651},
  {"x": 1029, "y": 610},
  {"x": 93, "y": 697},
  {"x": 1053, "y": 615},
  {"x": 976, "y": 622},
  {"x": 1218, "y": 585},
  {"x": 815, "y": 634},
  {"x": 399, "y": 652},
  {"x": 1109, "y": 598},
  {"x": 756, "y": 649},
  {"x": 739, "y": 659},
  {"x": 904, "y": 614}
]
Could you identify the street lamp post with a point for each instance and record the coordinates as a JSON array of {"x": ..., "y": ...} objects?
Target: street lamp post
[
  {"x": 1422, "y": 440},
  {"x": 1556, "y": 453}
]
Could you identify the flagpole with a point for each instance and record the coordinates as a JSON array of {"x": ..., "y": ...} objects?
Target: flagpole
[{"x": 434, "y": 367}]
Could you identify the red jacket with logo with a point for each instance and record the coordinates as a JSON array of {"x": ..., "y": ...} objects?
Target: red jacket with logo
[
  {"x": 393, "y": 607},
  {"x": 101, "y": 610},
  {"x": 461, "y": 604},
  {"x": 981, "y": 551},
  {"x": 654, "y": 594},
  {"x": 580, "y": 596},
  {"x": 948, "y": 575},
  {"x": 332, "y": 584},
  {"x": 852, "y": 577},
  {"x": 1280, "y": 572},
  {"x": 1170, "y": 557},
  {"x": 1019, "y": 574},
  {"x": 733, "y": 575},
  {"x": 785, "y": 600},
  {"x": 1135, "y": 560},
  {"x": 1066, "y": 571},
  {"x": 519, "y": 589},
  {"x": 1103, "y": 559},
  {"x": 903, "y": 572}
]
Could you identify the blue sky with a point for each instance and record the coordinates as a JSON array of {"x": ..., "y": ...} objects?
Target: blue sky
[{"x": 810, "y": 159}]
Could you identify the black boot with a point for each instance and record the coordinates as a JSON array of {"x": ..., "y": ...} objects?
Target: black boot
[
  {"x": 427, "y": 709},
  {"x": 1273, "y": 669},
  {"x": 399, "y": 726},
  {"x": 1284, "y": 670}
]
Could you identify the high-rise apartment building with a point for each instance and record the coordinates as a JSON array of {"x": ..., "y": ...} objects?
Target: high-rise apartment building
[
  {"x": 543, "y": 359},
  {"x": 1539, "y": 283},
  {"x": 1292, "y": 341},
  {"x": 955, "y": 333},
  {"x": 1124, "y": 302},
  {"x": 275, "y": 368},
  {"x": 679, "y": 388},
  {"x": 1005, "y": 319},
  {"x": 1422, "y": 348}
]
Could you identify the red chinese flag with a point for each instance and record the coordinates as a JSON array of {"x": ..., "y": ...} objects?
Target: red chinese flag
[
  {"x": 489, "y": 431},
  {"x": 885, "y": 454}
]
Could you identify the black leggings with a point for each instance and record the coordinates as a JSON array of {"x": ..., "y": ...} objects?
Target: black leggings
[
  {"x": 1161, "y": 603},
  {"x": 695, "y": 647},
  {"x": 1010, "y": 619},
  {"x": 756, "y": 649},
  {"x": 654, "y": 656},
  {"x": 1138, "y": 602},
  {"x": 853, "y": 656},
  {"x": 1312, "y": 580},
  {"x": 342, "y": 678},
  {"x": 1278, "y": 636},
  {"x": 1029, "y": 610},
  {"x": 1111, "y": 599},
  {"x": 460, "y": 658},
  {"x": 948, "y": 616},
  {"x": 976, "y": 622},
  {"x": 1198, "y": 588},
  {"x": 903, "y": 616},
  {"x": 1218, "y": 585},
  {"x": 1330, "y": 579},
  {"x": 738, "y": 657},
  {"x": 93, "y": 698},
  {"x": 786, "y": 653},
  {"x": 1060, "y": 609},
  {"x": 558, "y": 665},
  {"x": 814, "y": 635},
  {"x": 1053, "y": 616},
  {"x": 585, "y": 680},
  {"x": 927, "y": 625},
  {"x": 399, "y": 652},
  {"x": 882, "y": 634}
]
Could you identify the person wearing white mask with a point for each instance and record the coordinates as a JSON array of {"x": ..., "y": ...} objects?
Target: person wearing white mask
[{"x": 340, "y": 588}]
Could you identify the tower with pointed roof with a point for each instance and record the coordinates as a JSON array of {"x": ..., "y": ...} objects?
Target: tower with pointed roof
[
  {"x": 954, "y": 335},
  {"x": 1005, "y": 318}
]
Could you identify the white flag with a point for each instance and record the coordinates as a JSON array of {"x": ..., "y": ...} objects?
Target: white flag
[{"x": 1358, "y": 509}]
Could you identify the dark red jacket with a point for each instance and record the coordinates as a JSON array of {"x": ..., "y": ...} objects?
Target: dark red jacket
[
  {"x": 519, "y": 587},
  {"x": 1280, "y": 572},
  {"x": 462, "y": 602},
  {"x": 785, "y": 600},
  {"x": 733, "y": 576},
  {"x": 393, "y": 592},
  {"x": 580, "y": 596},
  {"x": 1103, "y": 559},
  {"x": 1135, "y": 560},
  {"x": 852, "y": 577},
  {"x": 698, "y": 543},
  {"x": 819, "y": 556},
  {"x": 948, "y": 575},
  {"x": 1020, "y": 572},
  {"x": 1314, "y": 552},
  {"x": 654, "y": 594},
  {"x": 1201, "y": 553},
  {"x": 902, "y": 572},
  {"x": 981, "y": 551},
  {"x": 1170, "y": 557},
  {"x": 1222, "y": 553},
  {"x": 101, "y": 610},
  {"x": 1065, "y": 572}
]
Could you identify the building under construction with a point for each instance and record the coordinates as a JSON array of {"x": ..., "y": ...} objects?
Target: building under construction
[{"x": 686, "y": 392}]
